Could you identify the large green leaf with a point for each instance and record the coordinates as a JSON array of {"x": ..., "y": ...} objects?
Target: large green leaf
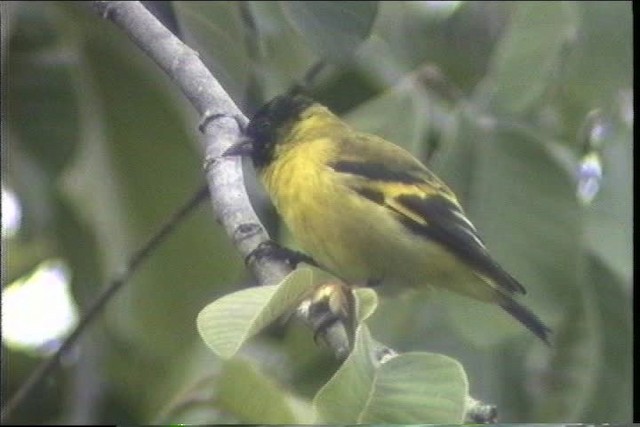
[
  {"x": 283, "y": 57},
  {"x": 333, "y": 29},
  {"x": 43, "y": 106},
  {"x": 217, "y": 31},
  {"x": 251, "y": 397},
  {"x": 600, "y": 63},
  {"x": 609, "y": 231},
  {"x": 612, "y": 398},
  {"x": 528, "y": 57},
  {"x": 407, "y": 35},
  {"x": 565, "y": 378},
  {"x": 230, "y": 321},
  {"x": 366, "y": 303},
  {"x": 409, "y": 388},
  {"x": 400, "y": 114},
  {"x": 42, "y": 128},
  {"x": 590, "y": 367}
]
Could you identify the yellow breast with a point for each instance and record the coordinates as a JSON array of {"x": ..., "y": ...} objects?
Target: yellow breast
[{"x": 353, "y": 237}]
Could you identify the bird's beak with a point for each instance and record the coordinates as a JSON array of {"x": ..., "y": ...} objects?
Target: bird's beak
[{"x": 242, "y": 148}]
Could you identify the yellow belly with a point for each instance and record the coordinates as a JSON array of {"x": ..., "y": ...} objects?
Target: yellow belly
[{"x": 359, "y": 240}]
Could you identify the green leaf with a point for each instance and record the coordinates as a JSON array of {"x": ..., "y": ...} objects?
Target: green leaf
[
  {"x": 216, "y": 30},
  {"x": 282, "y": 56},
  {"x": 573, "y": 365},
  {"x": 252, "y": 397},
  {"x": 612, "y": 400},
  {"x": 601, "y": 62},
  {"x": 591, "y": 365},
  {"x": 230, "y": 321},
  {"x": 609, "y": 231},
  {"x": 529, "y": 55},
  {"x": 333, "y": 29},
  {"x": 410, "y": 388},
  {"x": 42, "y": 103},
  {"x": 400, "y": 114},
  {"x": 366, "y": 303}
]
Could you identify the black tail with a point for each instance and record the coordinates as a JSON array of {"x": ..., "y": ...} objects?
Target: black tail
[{"x": 526, "y": 317}]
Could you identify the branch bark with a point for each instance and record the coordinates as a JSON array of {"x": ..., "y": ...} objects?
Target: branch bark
[{"x": 220, "y": 120}]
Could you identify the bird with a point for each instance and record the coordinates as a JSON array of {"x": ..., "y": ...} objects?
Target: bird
[{"x": 368, "y": 211}]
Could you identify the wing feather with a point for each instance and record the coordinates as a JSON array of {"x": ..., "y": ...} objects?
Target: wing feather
[
  {"x": 426, "y": 207},
  {"x": 445, "y": 223}
]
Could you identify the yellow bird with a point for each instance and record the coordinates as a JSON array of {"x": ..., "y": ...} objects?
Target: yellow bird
[{"x": 368, "y": 211}]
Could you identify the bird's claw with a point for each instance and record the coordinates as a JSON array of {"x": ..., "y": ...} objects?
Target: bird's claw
[{"x": 270, "y": 249}]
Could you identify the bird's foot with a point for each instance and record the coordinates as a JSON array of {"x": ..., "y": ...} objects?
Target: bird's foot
[
  {"x": 330, "y": 311},
  {"x": 270, "y": 249}
]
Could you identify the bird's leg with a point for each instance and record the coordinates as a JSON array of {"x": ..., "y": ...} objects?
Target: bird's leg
[
  {"x": 331, "y": 309},
  {"x": 270, "y": 249}
]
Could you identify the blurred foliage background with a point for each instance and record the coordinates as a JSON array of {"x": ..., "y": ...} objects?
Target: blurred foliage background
[{"x": 524, "y": 108}]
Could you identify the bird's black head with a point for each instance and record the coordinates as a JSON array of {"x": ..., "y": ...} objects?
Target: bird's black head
[{"x": 272, "y": 122}]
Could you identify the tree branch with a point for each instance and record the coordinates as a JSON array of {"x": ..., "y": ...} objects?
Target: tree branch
[{"x": 220, "y": 123}]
